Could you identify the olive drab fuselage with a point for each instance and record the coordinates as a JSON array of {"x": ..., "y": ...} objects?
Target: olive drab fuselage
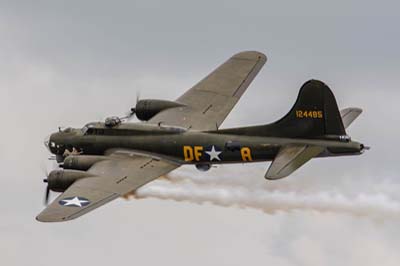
[{"x": 185, "y": 147}]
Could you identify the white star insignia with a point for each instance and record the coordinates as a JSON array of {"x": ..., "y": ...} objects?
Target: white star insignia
[
  {"x": 75, "y": 201},
  {"x": 214, "y": 154}
]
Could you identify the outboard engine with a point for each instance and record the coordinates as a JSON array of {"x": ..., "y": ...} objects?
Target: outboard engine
[{"x": 60, "y": 180}]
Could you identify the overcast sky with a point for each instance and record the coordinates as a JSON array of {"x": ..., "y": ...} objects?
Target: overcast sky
[{"x": 65, "y": 63}]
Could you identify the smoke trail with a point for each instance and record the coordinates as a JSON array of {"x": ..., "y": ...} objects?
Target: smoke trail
[{"x": 377, "y": 206}]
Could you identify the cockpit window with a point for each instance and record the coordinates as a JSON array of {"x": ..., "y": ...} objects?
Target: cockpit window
[
  {"x": 88, "y": 129},
  {"x": 84, "y": 130}
]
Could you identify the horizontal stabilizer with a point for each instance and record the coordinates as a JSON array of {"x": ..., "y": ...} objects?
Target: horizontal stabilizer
[
  {"x": 289, "y": 158},
  {"x": 349, "y": 115}
]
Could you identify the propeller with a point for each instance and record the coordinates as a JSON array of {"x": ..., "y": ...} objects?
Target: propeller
[
  {"x": 132, "y": 111},
  {"x": 45, "y": 180},
  {"x": 47, "y": 193}
]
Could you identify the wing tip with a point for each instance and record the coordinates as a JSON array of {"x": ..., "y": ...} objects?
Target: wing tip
[
  {"x": 273, "y": 176},
  {"x": 354, "y": 109},
  {"x": 45, "y": 218},
  {"x": 251, "y": 55}
]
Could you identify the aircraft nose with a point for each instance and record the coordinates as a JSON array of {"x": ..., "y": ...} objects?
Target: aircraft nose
[{"x": 47, "y": 142}]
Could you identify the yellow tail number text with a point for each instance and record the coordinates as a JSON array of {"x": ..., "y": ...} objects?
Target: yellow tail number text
[{"x": 309, "y": 114}]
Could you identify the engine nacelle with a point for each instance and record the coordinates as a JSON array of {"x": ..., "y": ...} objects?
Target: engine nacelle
[
  {"x": 81, "y": 162},
  {"x": 60, "y": 180},
  {"x": 203, "y": 166},
  {"x": 146, "y": 109}
]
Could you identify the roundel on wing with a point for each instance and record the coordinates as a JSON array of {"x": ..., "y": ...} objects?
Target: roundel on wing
[{"x": 74, "y": 201}]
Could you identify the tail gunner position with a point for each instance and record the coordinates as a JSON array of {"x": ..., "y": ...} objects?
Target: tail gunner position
[{"x": 104, "y": 161}]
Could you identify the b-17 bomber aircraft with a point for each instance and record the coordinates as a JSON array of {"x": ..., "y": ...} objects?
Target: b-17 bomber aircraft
[{"x": 106, "y": 160}]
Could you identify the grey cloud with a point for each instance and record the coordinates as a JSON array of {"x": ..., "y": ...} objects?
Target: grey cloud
[{"x": 66, "y": 63}]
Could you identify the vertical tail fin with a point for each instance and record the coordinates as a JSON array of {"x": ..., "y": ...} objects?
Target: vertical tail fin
[{"x": 315, "y": 113}]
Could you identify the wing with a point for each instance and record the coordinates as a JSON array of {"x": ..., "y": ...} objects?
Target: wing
[
  {"x": 209, "y": 102},
  {"x": 349, "y": 115},
  {"x": 290, "y": 158},
  {"x": 111, "y": 179}
]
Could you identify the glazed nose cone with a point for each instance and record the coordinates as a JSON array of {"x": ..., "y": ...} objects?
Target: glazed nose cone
[{"x": 47, "y": 142}]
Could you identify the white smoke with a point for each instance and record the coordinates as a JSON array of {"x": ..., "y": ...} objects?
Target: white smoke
[{"x": 254, "y": 193}]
